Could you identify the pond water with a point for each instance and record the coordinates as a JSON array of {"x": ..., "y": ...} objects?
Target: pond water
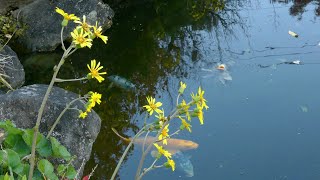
[{"x": 263, "y": 121}]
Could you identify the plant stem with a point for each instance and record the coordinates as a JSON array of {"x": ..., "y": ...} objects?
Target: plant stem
[
  {"x": 61, "y": 38},
  {"x": 68, "y": 80},
  {"x": 148, "y": 169},
  {"x": 40, "y": 113},
  {"x": 150, "y": 145},
  {"x": 61, "y": 114},
  {"x": 144, "y": 141},
  {"x": 125, "y": 153}
]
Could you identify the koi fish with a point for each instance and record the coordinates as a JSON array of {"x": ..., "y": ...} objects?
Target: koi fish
[
  {"x": 121, "y": 83},
  {"x": 173, "y": 145},
  {"x": 293, "y": 34},
  {"x": 183, "y": 163}
]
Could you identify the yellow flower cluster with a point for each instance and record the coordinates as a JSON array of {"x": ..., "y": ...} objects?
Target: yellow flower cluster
[
  {"x": 84, "y": 33},
  {"x": 94, "y": 98},
  {"x": 167, "y": 154},
  {"x": 200, "y": 101}
]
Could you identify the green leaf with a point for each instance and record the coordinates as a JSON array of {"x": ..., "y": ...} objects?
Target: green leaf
[
  {"x": 44, "y": 147},
  {"x": 37, "y": 175},
  {"x": 24, "y": 177},
  {"x": 59, "y": 150},
  {"x": 10, "y": 128},
  {"x": 52, "y": 176},
  {"x": 6, "y": 177},
  {"x": 9, "y": 158},
  {"x": 3, "y": 159},
  {"x": 22, "y": 169},
  {"x": 71, "y": 172},
  {"x": 28, "y": 137},
  {"x": 61, "y": 168},
  {"x": 45, "y": 167},
  {"x": 16, "y": 143}
]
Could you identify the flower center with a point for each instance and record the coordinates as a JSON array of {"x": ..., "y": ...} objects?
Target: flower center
[
  {"x": 153, "y": 106},
  {"x": 80, "y": 39},
  {"x": 94, "y": 73}
]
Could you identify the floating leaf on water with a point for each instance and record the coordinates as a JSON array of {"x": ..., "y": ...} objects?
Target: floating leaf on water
[{"x": 293, "y": 34}]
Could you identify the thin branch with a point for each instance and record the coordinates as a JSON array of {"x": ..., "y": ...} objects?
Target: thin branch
[
  {"x": 68, "y": 80},
  {"x": 125, "y": 153},
  {"x": 61, "y": 114}
]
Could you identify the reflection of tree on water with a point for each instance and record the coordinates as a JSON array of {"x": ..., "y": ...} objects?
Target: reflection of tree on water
[
  {"x": 146, "y": 46},
  {"x": 298, "y": 7}
]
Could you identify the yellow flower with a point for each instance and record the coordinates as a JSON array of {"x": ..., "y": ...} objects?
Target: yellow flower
[
  {"x": 199, "y": 99},
  {"x": 89, "y": 106},
  {"x": 153, "y": 106},
  {"x": 184, "y": 109},
  {"x": 81, "y": 38},
  {"x": 171, "y": 163},
  {"x": 84, "y": 25},
  {"x": 164, "y": 134},
  {"x": 66, "y": 16},
  {"x": 94, "y": 70},
  {"x": 95, "y": 98},
  {"x": 97, "y": 32},
  {"x": 183, "y": 86},
  {"x": 185, "y": 124},
  {"x": 198, "y": 112},
  {"x": 162, "y": 151},
  {"x": 161, "y": 117},
  {"x": 83, "y": 115}
]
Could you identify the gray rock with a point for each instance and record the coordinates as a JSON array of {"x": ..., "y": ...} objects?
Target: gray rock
[
  {"x": 6, "y": 5},
  {"x": 44, "y": 24},
  {"x": 11, "y": 66},
  {"x": 78, "y": 135}
]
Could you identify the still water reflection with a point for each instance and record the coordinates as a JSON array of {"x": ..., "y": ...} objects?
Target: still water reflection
[{"x": 263, "y": 122}]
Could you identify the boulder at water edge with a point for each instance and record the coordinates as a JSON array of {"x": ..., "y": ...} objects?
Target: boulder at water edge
[
  {"x": 44, "y": 24},
  {"x": 11, "y": 67},
  {"x": 77, "y": 135}
]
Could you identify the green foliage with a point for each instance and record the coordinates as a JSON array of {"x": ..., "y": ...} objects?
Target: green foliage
[
  {"x": 17, "y": 148},
  {"x": 9, "y": 26}
]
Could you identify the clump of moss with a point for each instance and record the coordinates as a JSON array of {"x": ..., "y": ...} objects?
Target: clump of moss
[{"x": 9, "y": 28}]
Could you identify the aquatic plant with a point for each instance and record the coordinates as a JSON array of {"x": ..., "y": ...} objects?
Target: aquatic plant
[{"x": 160, "y": 126}]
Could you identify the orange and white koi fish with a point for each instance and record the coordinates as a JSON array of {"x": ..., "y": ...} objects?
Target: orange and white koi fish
[{"x": 173, "y": 145}]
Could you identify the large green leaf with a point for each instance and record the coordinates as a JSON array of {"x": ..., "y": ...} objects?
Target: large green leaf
[
  {"x": 59, "y": 150},
  {"x": 61, "y": 168},
  {"x": 28, "y": 137},
  {"x": 9, "y": 158},
  {"x": 9, "y": 127},
  {"x": 71, "y": 172},
  {"x": 44, "y": 147},
  {"x": 45, "y": 167},
  {"x": 16, "y": 143},
  {"x": 22, "y": 169}
]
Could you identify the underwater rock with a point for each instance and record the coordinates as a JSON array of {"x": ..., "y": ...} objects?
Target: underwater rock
[
  {"x": 11, "y": 67},
  {"x": 78, "y": 135},
  {"x": 44, "y": 24}
]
